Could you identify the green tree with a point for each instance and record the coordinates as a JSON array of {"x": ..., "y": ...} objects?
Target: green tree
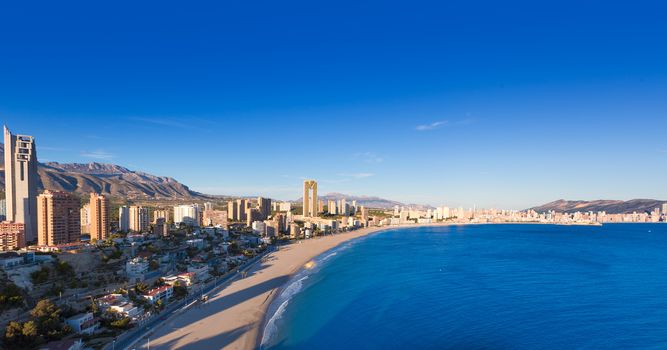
[
  {"x": 40, "y": 276},
  {"x": 11, "y": 296},
  {"x": 47, "y": 318},
  {"x": 122, "y": 324},
  {"x": 180, "y": 292},
  {"x": 64, "y": 269},
  {"x": 142, "y": 287},
  {"x": 14, "y": 338}
]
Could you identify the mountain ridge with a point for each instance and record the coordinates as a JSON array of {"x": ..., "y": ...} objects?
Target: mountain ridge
[
  {"x": 109, "y": 179},
  {"x": 609, "y": 206}
]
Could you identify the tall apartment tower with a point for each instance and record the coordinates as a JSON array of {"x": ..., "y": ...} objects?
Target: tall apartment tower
[
  {"x": 332, "y": 207},
  {"x": 241, "y": 210},
  {"x": 231, "y": 210},
  {"x": 85, "y": 219},
  {"x": 264, "y": 206},
  {"x": 161, "y": 214},
  {"x": 58, "y": 218},
  {"x": 139, "y": 219},
  {"x": 99, "y": 217},
  {"x": 21, "y": 182},
  {"x": 310, "y": 198},
  {"x": 124, "y": 218}
]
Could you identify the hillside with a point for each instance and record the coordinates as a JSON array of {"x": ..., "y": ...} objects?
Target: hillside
[{"x": 609, "y": 206}]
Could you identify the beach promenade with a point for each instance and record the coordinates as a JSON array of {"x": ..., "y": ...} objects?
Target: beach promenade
[{"x": 233, "y": 317}]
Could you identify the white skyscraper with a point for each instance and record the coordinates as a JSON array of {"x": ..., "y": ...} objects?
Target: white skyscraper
[
  {"x": 139, "y": 219},
  {"x": 124, "y": 218},
  {"x": 21, "y": 182},
  {"x": 187, "y": 214}
]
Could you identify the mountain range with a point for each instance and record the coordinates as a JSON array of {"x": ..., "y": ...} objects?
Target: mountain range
[
  {"x": 109, "y": 179},
  {"x": 118, "y": 181},
  {"x": 609, "y": 206}
]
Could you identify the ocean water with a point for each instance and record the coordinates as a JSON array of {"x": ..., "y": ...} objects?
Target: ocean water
[{"x": 482, "y": 287}]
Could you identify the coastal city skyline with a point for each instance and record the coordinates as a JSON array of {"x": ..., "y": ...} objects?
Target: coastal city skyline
[
  {"x": 474, "y": 112},
  {"x": 302, "y": 175},
  {"x": 338, "y": 186}
]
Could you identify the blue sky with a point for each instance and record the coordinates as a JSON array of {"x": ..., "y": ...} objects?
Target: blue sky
[{"x": 445, "y": 102}]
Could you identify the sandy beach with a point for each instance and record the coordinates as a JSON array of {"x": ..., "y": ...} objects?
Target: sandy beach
[{"x": 234, "y": 316}]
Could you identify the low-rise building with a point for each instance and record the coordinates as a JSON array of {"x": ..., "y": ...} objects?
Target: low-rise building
[
  {"x": 186, "y": 279},
  {"x": 136, "y": 269},
  {"x": 13, "y": 259},
  {"x": 83, "y": 323},
  {"x": 200, "y": 271},
  {"x": 159, "y": 294}
]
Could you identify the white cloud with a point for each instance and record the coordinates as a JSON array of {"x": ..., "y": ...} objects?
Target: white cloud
[
  {"x": 368, "y": 157},
  {"x": 98, "y": 154},
  {"x": 357, "y": 175},
  {"x": 432, "y": 126}
]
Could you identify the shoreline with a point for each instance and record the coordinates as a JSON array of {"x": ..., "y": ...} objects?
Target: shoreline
[
  {"x": 278, "y": 291},
  {"x": 236, "y": 316}
]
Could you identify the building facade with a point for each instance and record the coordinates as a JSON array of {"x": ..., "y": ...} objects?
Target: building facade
[
  {"x": 124, "y": 218},
  {"x": 187, "y": 214},
  {"x": 58, "y": 218},
  {"x": 215, "y": 218},
  {"x": 12, "y": 236},
  {"x": 99, "y": 217},
  {"x": 264, "y": 206},
  {"x": 161, "y": 214},
  {"x": 21, "y": 180},
  {"x": 310, "y": 203},
  {"x": 139, "y": 219}
]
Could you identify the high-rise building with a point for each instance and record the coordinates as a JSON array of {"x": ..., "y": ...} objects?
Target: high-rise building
[
  {"x": 12, "y": 236},
  {"x": 215, "y": 218},
  {"x": 161, "y": 228},
  {"x": 310, "y": 198},
  {"x": 231, "y": 210},
  {"x": 99, "y": 217},
  {"x": 343, "y": 208},
  {"x": 58, "y": 218},
  {"x": 664, "y": 208},
  {"x": 187, "y": 214},
  {"x": 139, "y": 219},
  {"x": 85, "y": 219},
  {"x": 285, "y": 206},
  {"x": 124, "y": 218},
  {"x": 264, "y": 206},
  {"x": 252, "y": 215},
  {"x": 364, "y": 215},
  {"x": 332, "y": 209},
  {"x": 208, "y": 206},
  {"x": 161, "y": 214},
  {"x": 241, "y": 210},
  {"x": 21, "y": 182}
]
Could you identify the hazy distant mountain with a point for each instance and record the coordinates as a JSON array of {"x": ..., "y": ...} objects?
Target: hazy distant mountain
[
  {"x": 609, "y": 206},
  {"x": 370, "y": 202},
  {"x": 109, "y": 179}
]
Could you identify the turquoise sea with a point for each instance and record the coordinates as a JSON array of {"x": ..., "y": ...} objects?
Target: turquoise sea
[{"x": 482, "y": 287}]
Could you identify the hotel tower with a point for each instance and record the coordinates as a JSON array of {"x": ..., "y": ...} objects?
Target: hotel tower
[
  {"x": 21, "y": 180},
  {"x": 310, "y": 198}
]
